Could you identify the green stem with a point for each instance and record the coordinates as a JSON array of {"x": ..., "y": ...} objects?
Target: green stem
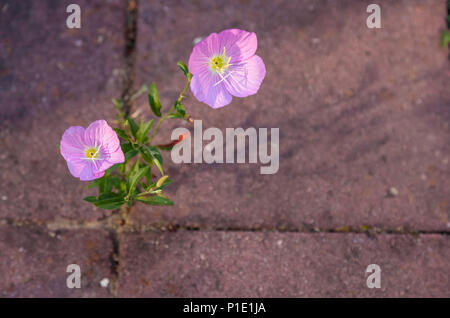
[
  {"x": 159, "y": 123},
  {"x": 185, "y": 88},
  {"x": 171, "y": 109}
]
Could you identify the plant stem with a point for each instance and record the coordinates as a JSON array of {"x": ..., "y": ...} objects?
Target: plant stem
[
  {"x": 159, "y": 123},
  {"x": 185, "y": 88},
  {"x": 171, "y": 109}
]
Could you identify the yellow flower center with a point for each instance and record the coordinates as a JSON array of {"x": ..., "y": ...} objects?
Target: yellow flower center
[
  {"x": 219, "y": 63},
  {"x": 91, "y": 153}
]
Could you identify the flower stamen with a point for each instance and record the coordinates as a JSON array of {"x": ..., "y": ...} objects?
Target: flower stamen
[
  {"x": 92, "y": 153},
  {"x": 220, "y": 63}
]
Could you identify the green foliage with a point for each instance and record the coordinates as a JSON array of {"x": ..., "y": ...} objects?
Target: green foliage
[
  {"x": 445, "y": 38},
  {"x": 133, "y": 180},
  {"x": 107, "y": 201},
  {"x": 141, "y": 135},
  {"x": 179, "y": 112},
  {"x": 155, "y": 200},
  {"x": 128, "y": 150},
  {"x": 133, "y": 127},
  {"x": 153, "y": 100},
  {"x": 136, "y": 174},
  {"x": 184, "y": 68},
  {"x": 122, "y": 134}
]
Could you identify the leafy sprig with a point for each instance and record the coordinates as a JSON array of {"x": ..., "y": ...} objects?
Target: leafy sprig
[{"x": 133, "y": 180}]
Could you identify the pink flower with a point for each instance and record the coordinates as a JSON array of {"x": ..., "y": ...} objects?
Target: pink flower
[
  {"x": 225, "y": 65},
  {"x": 89, "y": 152}
]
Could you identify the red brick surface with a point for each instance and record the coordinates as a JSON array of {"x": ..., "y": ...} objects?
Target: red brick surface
[
  {"x": 33, "y": 262},
  {"x": 359, "y": 110},
  {"x": 252, "y": 264},
  {"x": 51, "y": 78}
]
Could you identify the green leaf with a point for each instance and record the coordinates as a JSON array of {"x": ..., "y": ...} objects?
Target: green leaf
[
  {"x": 162, "y": 185},
  {"x": 153, "y": 100},
  {"x": 161, "y": 181},
  {"x": 155, "y": 153},
  {"x": 130, "y": 154},
  {"x": 445, "y": 38},
  {"x": 133, "y": 126},
  {"x": 152, "y": 187},
  {"x": 148, "y": 177},
  {"x": 90, "y": 199},
  {"x": 183, "y": 67},
  {"x": 110, "y": 182},
  {"x": 107, "y": 185},
  {"x": 103, "y": 182},
  {"x": 165, "y": 184},
  {"x": 134, "y": 177},
  {"x": 110, "y": 205},
  {"x": 155, "y": 200},
  {"x": 126, "y": 147},
  {"x": 141, "y": 134},
  {"x": 165, "y": 148},
  {"x": 159, "y": 166},
  {"x": 145, "y": 153},
  {"x": 150, "y": 153},
  {"x": 122, "y": 134},
  {"x": 180, "y": 112},
  {"x": 101, "y": 185},
  {"x": 180, "y": 108},
  {"x": 110, "y": 201},
  {"x": 128, "y": 151},
  {"x": 135, "y": 167},
  {"x": 115, "y": 182}
]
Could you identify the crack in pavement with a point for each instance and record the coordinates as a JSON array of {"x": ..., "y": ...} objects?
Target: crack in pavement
[{"x": 115, "y": 223}]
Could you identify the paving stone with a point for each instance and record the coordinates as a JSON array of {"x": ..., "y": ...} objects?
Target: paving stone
[
  {"x": 51, "y": 78},
  {"x": 360, "y": 111},
  {"x": 271, "y": 264},
  {"x": 33, "y": 261}
]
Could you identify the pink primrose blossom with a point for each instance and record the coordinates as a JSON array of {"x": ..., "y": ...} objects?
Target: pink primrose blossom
[
  {"x": 225, "y": 65},
  {"x": 89, "y": 152}
]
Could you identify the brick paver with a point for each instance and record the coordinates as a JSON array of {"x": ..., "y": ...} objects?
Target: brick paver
[
  {"x": 33, "y": 261},
  {"x": 255, "y": 264},
  {"x": 359, "y": 111},
  {"x": 52, "y": 77}
]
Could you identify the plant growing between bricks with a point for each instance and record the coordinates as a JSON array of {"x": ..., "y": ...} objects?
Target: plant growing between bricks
[{"x": 120, "y": 162}]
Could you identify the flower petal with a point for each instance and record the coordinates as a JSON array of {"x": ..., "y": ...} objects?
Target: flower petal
[
  {"x": 240, "y": 45},
  {"x": 199, "y": 58},
  {"x": 116, "y": 156},
  {"x": 72, "y": 143},
  {"x": 108, "y": 159},
  {"x": 100, "y": 133},
  {"x": 204, "y": 88},
  {"x": 89, "y": 173},
  {"x": 76, "y": 168},
  {"x": 244, "y": 79}
]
